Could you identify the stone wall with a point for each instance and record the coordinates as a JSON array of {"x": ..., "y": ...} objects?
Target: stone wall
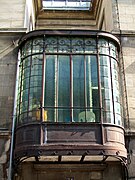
[
  {"x": 123, "y": 15},
  {"x": 124, "y": 26},
  {"x": 12, "y": 13},
  {"x": 8, "y": 62},
  {"x": 28, "y": 170},
  {"x": 128, "y": 47},
  {"x": 4, "y": 154},
  {"x": 131, "y": 165},
  {"x": 127, "y": 14}
]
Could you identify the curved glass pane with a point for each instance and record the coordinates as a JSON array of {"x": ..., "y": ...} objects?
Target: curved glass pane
[
  {"x": 103, "y": 45},
  {"x": 106, "y": 89},
  {"x": 116, "y": 92},
  {"x": 26, "y": 50},
  {"x": 30, "y": 87}
]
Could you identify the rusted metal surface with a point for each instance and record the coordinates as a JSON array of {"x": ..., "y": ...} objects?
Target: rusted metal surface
[
  {"x": 69, "y": 140},
  {"x": 92, "y": 33}
]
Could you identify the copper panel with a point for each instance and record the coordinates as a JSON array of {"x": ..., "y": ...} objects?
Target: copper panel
[
  {"x": 114, "y": 135},
  {"x": 69, "y": 140},
  {"x": 28, "y": 135},
  {"x": 73, "y": 133}
]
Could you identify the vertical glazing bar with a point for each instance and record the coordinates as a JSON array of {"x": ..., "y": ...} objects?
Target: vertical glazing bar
[
  {"x": 99, "y": 81},
  {"x": 30, "y": 78},
  {"x": 43, "y": 136},
  {"x": 111, "y": 83},
  {"x": 80, "y": 2},
  {"x": 100, "y": 91},
  {"x": 71, "y": 89},
  {"x": 90, "y": 83},
  {"x": 85, "y": 92},
  {"x": 56, "y": 75},
  {"x": 43, "y": 82},
  {"x": 66, "y": 3},
  {"x": 56, "y": 83}
]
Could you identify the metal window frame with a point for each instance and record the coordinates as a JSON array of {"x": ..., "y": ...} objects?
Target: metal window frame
[{"x": 82, "y": 34}]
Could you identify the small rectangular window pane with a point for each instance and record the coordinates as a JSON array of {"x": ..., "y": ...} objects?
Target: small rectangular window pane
[
  {"x": 92, "y": 94},
  {"x": 49, "y": 114},
  {"x": 64, "y": 81},
  {"x": 108, "y": 117},
  {"x": 64, "y": 88},
  {"x": 103, "y": 46},
  {"x": 64, "y": 115},
  {"x": 118, "y": 119},
  {"x": 86, "y": 116},
  {"x": 50, "y": 86},
  {"x": 78, "y": 81},
  {"x": 50, "y": 81}
]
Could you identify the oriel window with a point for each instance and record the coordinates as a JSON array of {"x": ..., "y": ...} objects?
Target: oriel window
[{"x": 69, "y": 79}]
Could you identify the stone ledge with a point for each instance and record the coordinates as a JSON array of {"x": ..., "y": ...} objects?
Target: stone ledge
[
  {"x": 4, "y": 132},
  {"x": 130, "y": 133},
  {"x": 9, "y": 31},
  {"x": 124, "y": 32}
]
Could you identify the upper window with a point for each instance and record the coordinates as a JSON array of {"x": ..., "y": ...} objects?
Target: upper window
[{"x": 67, "y": 4}]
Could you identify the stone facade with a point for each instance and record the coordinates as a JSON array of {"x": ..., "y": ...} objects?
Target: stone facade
[
  {"x": 69, "y": 171},
  {"x": 20, "y": 16},
  {"x": 13, "y": 24},
  {"x": 8, "y": 62},
  {"x": 126, "y": 14},
  {"x": 12, "y": 13},
  {"x": 128, "y": 44}
]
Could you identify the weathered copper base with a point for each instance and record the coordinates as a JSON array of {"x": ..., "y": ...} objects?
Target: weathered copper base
[{"x": 35, "y": 140}]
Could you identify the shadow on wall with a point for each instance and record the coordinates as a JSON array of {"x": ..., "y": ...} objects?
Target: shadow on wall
[{"x": 130, "y": 69}]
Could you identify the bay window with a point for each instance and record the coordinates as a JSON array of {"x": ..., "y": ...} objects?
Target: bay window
[{"x": 69, "y": 79}]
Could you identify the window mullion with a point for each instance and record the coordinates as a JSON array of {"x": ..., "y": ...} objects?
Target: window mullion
[
  {"x": 42, "y": 103},
  {"x": 112, "y": 89},
  {"x": 29, "y": 88},
  {"x": 43, "y": 86},
  {"x": 85, "y": 93},
  {"x": 71, "y": 89},
  {"x": 56, "y": 76}
]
